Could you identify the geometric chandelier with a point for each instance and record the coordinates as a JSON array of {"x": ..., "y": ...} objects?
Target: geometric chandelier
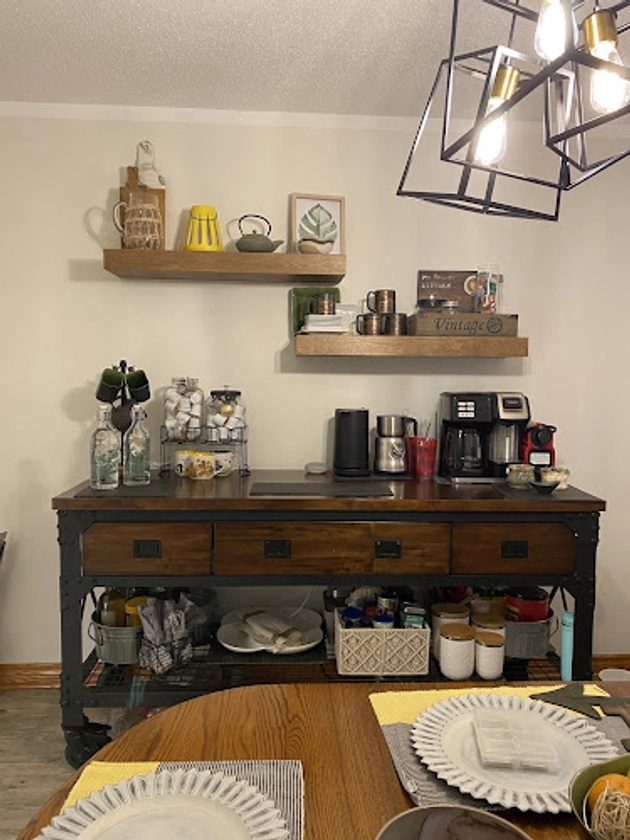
[{"x": 554, "y": 66}]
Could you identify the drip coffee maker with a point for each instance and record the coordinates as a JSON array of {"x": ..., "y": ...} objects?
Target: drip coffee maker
[{"x": 480, "y": 434}]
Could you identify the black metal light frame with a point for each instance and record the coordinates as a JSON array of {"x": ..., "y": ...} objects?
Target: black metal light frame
[{"x": 562, "y": 97}]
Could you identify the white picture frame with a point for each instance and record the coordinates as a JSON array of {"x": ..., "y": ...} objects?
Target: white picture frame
[{"x": 323, "y": 214}]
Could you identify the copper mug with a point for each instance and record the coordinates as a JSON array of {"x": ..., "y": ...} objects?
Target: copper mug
[
  {"x": 322, "y": 304},
  {"x": 381, "y": 300},
  {"x": 395, "y": 323},
  {"x": 370, "y": 323}
]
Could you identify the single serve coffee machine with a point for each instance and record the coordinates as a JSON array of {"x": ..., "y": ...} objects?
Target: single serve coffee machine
[{"x": 480, "y": 434}]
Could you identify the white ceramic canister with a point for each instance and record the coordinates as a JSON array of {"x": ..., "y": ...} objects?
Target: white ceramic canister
[
  {"x": 492, "y": 623},
  {"x": 489, "y": 655},
  {"x": 457, "y": 651},
  {"x": 443, "y": 613}
]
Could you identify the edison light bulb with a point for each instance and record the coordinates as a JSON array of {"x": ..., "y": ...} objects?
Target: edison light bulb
[
  {"x": 492, "y": 142},
  {"x": 556, "y": 30},
  {"x": 608, "y": 90}
]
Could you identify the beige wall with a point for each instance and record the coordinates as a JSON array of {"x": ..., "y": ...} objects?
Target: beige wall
[{"x": 64, "y": 318}]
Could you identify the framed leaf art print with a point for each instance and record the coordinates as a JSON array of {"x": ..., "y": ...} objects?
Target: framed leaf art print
[{"x": 317, "y": 223}]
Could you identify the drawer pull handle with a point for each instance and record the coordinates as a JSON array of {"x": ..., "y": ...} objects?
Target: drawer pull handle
[
  {"x": 514, "y": 549},
  {"x": 277, "y": 549},
  {"x": 388, "y": 549},
  {"x": 147, "y": 549}
]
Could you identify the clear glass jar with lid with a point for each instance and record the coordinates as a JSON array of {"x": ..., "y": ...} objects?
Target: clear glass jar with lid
[
  {"x": 183, "y": 409},
  {"x": 226, "y": 416}
]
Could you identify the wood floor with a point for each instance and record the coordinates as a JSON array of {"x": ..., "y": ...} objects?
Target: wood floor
[{"x": 32, "y": 763}]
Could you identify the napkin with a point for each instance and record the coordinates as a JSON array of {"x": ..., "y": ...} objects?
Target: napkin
[
  {"x": 397, "y": 710},
  {"x": 281, "y": 780}
]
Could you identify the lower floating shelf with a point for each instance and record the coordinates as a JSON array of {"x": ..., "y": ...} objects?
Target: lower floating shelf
[{"x": 320, "y": 344}]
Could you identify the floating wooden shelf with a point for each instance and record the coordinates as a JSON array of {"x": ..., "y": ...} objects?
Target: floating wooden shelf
[
  {"x": 228, "y": 265},
  {"x": 321, "y": 344}
]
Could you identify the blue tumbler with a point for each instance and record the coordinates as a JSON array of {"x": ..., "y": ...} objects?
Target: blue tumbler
[{"x": 566, "y": 646}]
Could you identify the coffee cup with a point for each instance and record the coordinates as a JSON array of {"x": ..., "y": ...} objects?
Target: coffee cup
[
  {"x": 370, "y": 323},
  {"x": 395, "y": 323},
  {"x": 381, "y": 300},
  {"x": 224, "y": 463}
]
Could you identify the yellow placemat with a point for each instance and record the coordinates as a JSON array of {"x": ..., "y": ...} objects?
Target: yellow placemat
[
  {"x": 405, "y": 706},
  {"x": 100, "y": 773}
]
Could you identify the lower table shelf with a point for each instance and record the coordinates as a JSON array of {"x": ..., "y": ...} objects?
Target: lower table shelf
[{"x": 214, "y": 669}]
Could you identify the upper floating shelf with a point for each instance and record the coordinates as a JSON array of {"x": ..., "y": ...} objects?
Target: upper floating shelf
[
  {"x": 228, "y": 265},
  {"x": 409, "y": 345}
]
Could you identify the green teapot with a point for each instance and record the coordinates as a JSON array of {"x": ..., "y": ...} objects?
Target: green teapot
[{"x": 256, "y": 241}]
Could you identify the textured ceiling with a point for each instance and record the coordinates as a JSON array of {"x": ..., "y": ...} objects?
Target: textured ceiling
[{"x": 343, "y": 57}]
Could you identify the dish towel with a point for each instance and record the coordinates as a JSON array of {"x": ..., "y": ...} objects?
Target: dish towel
[
  {"x": 281, "y": 781},
  {"x": 397, "y": 710}
]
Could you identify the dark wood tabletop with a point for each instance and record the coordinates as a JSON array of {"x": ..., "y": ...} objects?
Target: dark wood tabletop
[
  {"x": 233, "y": 492},
  {"x": 351, "y": 787}
]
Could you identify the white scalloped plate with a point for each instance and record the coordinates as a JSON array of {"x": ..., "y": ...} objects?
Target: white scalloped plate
[
  {"x": 444, "y": 739},
  {"x": 183, "y": 804}
]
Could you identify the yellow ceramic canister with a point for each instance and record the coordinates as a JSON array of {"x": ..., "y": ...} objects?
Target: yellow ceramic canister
[{"x": 203, "y": 232}]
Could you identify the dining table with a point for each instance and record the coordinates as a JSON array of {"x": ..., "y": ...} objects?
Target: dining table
[{"x": 351, "y": 788}]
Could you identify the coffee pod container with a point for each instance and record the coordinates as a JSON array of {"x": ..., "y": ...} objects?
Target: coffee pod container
[
  {"x": 457, "y": 651},
  {"x": 442, "y": 614},
  {"x": 491, "y": 623},
  {"x": 489, "y": 655}
]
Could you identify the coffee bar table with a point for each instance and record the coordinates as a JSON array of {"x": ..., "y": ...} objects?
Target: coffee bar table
[{"x": 351, "y": 788}]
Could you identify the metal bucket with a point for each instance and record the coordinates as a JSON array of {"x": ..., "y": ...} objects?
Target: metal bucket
[
  {"x": 528, "y": 639},
  {"x": 115, "y": 645}
]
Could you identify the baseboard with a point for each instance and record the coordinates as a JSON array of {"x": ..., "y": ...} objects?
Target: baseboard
[
  {"x": 46, "y": 674},
  {"x": 30, "y": 675}
]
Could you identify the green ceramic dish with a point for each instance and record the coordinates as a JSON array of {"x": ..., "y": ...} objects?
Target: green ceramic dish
[{"x": 583, "y": 779}]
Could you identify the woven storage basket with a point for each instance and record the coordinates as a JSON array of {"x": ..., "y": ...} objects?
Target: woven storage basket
[{"x": 362, "y": 651}]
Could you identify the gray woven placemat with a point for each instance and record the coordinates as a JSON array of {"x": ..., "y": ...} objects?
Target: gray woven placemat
[
  {"x": 424, "y": 787},
  {"x": 281, "y": 780}
]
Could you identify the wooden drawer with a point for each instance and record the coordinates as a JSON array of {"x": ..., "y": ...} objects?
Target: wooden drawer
[
  {"x": 137, "y": 548},
  {"x": 513, "y": 547},
  {"x": 340, "y": 548}
]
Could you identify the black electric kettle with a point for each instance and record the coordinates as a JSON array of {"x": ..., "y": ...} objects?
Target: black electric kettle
[{"x": 351, "y": 447}]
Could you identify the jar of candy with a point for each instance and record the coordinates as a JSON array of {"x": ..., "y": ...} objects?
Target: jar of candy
[
  {"x": 183, "y": 408},
  {"x": 226, "y": 417}
]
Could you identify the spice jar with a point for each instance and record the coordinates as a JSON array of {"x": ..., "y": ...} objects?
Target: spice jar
[
  {"x": 183, "y": 406},
  {"x": 226, "y": 416},
  {"x": 446, "y": 614},
  {"x": 457, "y": 651},
  {"x": 489, "y": 655}
]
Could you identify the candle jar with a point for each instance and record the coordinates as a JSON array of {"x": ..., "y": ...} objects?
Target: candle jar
[
  {"x": 446, "y": 614},
  {"x": 457, "y": 651},
  {"x": 489, "y": 654}
]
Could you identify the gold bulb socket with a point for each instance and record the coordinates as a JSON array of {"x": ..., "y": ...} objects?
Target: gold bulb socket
[
  {"x": 505, "y": 83},
  {"x": 598, "y": 27}
]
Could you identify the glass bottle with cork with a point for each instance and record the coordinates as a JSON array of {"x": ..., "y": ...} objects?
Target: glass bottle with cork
[
  {"x": 104, "y": 452},
  {"x": 137, "y": 450}
]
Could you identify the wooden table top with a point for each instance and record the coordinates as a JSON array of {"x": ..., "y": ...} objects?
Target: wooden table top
[
  {"x": 233, "y": 492},
  {"x": 350, "y": 785}
]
